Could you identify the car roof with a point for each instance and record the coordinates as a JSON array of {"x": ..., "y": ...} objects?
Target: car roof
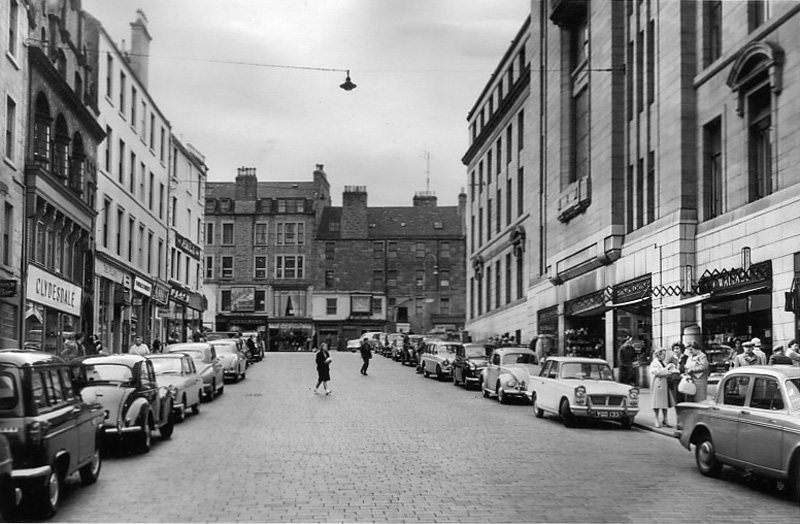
[
  {"x": 118, "y": 358},
  {"x": 223, "y": 341},
  {"x": 778, "y": 370},
  {"x": 582, "y": 360},
  {"x": 187, "y": 346},
  {"x": 175, "y": 354},
  {"x": 27, "y": 357},
  {"x": 512, "y": 349}
]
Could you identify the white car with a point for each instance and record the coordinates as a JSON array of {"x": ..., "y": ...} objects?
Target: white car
[
  {"x": 508, "y": 373},
  {"x": 234, "y": 363},
  {"x": 573, "y": 387},
  {"x": 438, "y": 357}
]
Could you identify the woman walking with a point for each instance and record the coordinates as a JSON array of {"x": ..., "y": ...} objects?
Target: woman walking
[
  {"x": 323, "y": 359},
  {"x": 659, "y": 389},
  {"x": 697, "y": 369}
]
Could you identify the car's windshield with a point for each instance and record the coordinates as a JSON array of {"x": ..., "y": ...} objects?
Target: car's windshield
[
  {"x": 105, "y": 373},
  {"x": 8, "y": 391},
  {"x": 196, "y": 354},
  {"x": 519, "y": 358},
  {"x": 166, "y": 365},
  {"x": 585, "y": 370},
  {"x": 474, "y": 351},
  {"x": 225, "y": 348},
  {"x": 446, "y": 349}
]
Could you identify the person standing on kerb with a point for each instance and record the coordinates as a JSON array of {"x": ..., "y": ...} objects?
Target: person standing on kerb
[{"x": 366, "y": 354}]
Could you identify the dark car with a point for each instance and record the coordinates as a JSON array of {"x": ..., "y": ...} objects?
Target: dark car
[
  {"x": 8, "y": 494},
  {"x": 127, "y": 388},
  {"x": 52, "y": 432},
  {"x": 471, "y": 359}
]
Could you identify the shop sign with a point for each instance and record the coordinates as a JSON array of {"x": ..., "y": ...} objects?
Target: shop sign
[
  {"x": 142, "y": 286},
  {"x": 8, "y": 288},
  {"x": 136, "y": 302},
  {"x": 294, "y": 326},
  {"x": 53, "y": 291},
  {"x": 163, "y": 312},
  {"x": 187, "y": 246},
  {"x": 161, "y": 293},
  {"x": 179, "y": 295},
  {"x": 246, "y": 321},
  {"x": 126, "y": 281},
  {"x": 109, "y": 272}
]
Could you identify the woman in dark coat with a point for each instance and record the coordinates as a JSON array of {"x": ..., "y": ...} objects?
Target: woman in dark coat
[{"x": 323, "y": 359}]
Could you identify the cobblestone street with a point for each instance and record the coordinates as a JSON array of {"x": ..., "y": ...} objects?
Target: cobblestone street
[{"x": 395, "y": 447}]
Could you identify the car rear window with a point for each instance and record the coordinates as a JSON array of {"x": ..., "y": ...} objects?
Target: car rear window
[
  {"x": 8, "y": 391},
  {"x": 793, "y": 392}
]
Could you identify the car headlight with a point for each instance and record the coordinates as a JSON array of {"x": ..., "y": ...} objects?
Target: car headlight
[
  {"x": 512, "y": 382},
  {"x": 446, "y": 363},
  {"x": 472, "y": 366},
  {"x": 580, "y": 395},
  {"x": 633, "y": 396}
]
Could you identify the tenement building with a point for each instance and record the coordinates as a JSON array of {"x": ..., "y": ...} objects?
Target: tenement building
[
  {"x": 389, "y": 268},
  {"x": 259, "y": 256},
  {"x": 61, "y": 140},
  {"x": 13, "y": 76},
  {"x": 133, "y": 188},
  {"x": 665, "y": 190}
]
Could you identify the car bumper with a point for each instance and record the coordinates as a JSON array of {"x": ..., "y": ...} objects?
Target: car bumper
[
  {"x": 30, "y": 474},
  {"x": 232, "y": 373},
  {"x": 603, "y": 412},
  {"x": 110, "y": 431}
]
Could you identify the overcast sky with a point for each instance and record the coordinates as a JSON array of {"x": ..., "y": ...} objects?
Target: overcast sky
[{"x": 419, "y": 66}]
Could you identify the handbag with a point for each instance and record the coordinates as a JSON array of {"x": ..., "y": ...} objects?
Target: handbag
[{"x": 687, "y": 386}]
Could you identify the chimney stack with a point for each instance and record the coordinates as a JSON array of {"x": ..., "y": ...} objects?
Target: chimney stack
[
  {"x": 139, "y": 55},
  {"x": 246, "y": 185},
  {"x": 424, "y": 199},
  {"x": 354, "y": 212}
]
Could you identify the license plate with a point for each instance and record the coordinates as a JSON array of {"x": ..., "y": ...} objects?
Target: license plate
[{"x": 606, "y": 414}]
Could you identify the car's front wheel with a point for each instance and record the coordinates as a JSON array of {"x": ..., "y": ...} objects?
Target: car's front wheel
[
  {"x": 566, "y": 414},
  {"x": 537, "y": 411},
  {"x": 706, "y": 458},
  {"x": 91, "y": 471},
  {"x": 425, "y": 372},
  {"x": 485, "y": 391},
  {"x": 501, "y": 395},
  {"x": 439, "y": 375}
]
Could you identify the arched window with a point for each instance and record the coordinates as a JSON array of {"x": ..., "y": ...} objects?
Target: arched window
[
  {"x": 76, "y": 164},
  {"x": 61, "y": 62},
  {"x": 41, "y": 130},
  {"x": 61, "y": 149},
  {"x": 756, "y": 79}
]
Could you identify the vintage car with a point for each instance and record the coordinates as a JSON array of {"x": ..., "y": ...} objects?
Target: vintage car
[
  {"x": 135, "y": 404},
  {"x": 354, "y": 345},
  {"x": 753, "y": 424},
  {"x": 208, "y": 365},
  {"x": 471, "y": 359},
  {"x": 8, "y": 494},
  {"x": 508, "y": 373},
  {"x": 573, "y": 387},
  {"x": 233, "y": 360},
  {"x": 437, "y": 358},
  {"x": 52, "y": 432},
  {"x": 178, "y": 371}
]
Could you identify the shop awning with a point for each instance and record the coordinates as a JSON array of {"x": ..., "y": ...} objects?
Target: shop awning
[
  {"x": 628, "y": 303},
  {"x": 684, "y": 303}
]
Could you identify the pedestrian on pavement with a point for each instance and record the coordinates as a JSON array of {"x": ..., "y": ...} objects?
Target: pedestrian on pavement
[
  {"x": 366, "y": 354},
  {"x": 156, "y": 345},
  {"x": 793, "y": 352},
  {"x": 778, "y": 358},
  {"x": 138, "y": 347},
  {"x": 660, "y": 371},
  {"x": 676, "y": 357},
  {"x": 627, "y": 355},
  {"x": 323, "y": 360},
  {"x": 697, "y": 369},
  {"x": 747, "y": 358},
  {"x": 762, "y": 357}
]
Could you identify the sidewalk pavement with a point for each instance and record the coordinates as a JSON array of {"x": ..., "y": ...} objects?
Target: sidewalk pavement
[{"x": 646, "y": 418}]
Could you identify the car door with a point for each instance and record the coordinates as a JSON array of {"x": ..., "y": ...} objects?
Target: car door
[
  {"x": 492, "y": 371},
  {"x": 59, "y": 418},
  {"x": 458, "y": 364},
  {"x": 86, "y": 415},
  {"x": 194, "y": 384},
  {"x": 723, "y": 416},
  {"x": 217, "y": 366},
  {"x": 545, "y": 394},
  {"x": 760, "y": 430},
  {"x": 148, "y": 388}
]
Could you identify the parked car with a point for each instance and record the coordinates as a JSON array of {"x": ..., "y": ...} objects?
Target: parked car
[
  {"x": 470, "y": 361},
  {"x": 415, "y": 345},
  {"x": 232, "y": 358},
  {"x": 438, "y": 358},
  {"x": 354, "y": 345},
  {"x": 208, "y": 365},
  {"x": 127, "y": 388},
  {"x": 376, "y": 339},
  {"x": 508, "y": 373},
  {"x": 178, "y": 371},
  {"x": 8, "y": 494},
  {"x": 52, "y": 432},
  {"x": 753, "y": 425},
  {"x": 573, "y": 387},
  {"x": 258, "y": 355}
]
